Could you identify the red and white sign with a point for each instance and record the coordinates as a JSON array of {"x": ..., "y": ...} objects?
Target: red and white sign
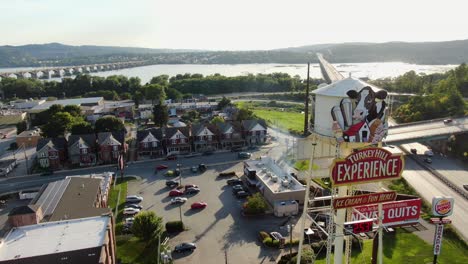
[
  {"x": 358, "y": 200},
  {"x": 438, "y": 239},
  {"x": 394, "y": 213},
  {"x": 367, "y": 165},
  {"x": 441, "y": 221},
  {"x": 442, "y": 206}
]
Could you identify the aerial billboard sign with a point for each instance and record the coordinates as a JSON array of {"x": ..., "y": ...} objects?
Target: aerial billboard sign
[
  {"x": 442, "y": 206},
  {"x": 367, "y": 165},
  {"x": 394, "y": 213},
  {"x": 358, "y": 200}
]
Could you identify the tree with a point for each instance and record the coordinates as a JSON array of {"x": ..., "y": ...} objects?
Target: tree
[
  {"x": 191, "y": 116},
  {"x": 162, "y": 80},
  {"x": 126, "y": 96},
  {"x": 155, "y": 92},
  {"x": 160, "y": 115},
  {"x": 255, "y": 204},
  {"x": 81, "y": 128},
  {"x": 217, "y": 120},
  {"x": 245, "y": 114},
  {"x": 58, "y": 124},
  {"x": 108, "y": 124},
  {"x": 173, "y": 94},
  {"x": 73, "y": 110},
  {"x": 147, "y": 226},
  {"x": 223, "y": 103},
  {"x": 21, "y": 126}
]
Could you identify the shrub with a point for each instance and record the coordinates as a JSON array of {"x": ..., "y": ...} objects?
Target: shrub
[
  {"x": 293, "y": 242},
  {"x": 263, "y": 235},
  {"x": 255, "y": 204},
  {"x": 268, "y": 241},
  {"x": 175, "y": 226},
  {"x": 119, "y": 228}
]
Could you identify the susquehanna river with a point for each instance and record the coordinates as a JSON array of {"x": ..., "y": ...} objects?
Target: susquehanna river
[{"x": 370, "y": 70}]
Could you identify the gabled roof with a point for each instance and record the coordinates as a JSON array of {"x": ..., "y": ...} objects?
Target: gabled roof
[
  {"x": 354, "y": 129},
  {"x": 89, "y": 139},
  {"x": 25, "y": 209},
  {"x": 156, "y": 132},
  {"x": 223, "y": 127},
  {"x": 170, "y": 131},
  {"x": 111, "y": 137},
  {"x": 198, "y": 128},
  {"x": 56, "y": 143},
  {"x": 249, "y": 124}
]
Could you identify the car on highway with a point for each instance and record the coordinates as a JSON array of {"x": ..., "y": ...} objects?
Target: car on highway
[
  {"x": 465, "y": 186},
  {"x": 178, "y": 200},
  {"x": 172, "y": 183},
  {"x": 202, "y": 167},
  {"x": 133, "y": 199},
  {"x": 448, "y": 121},
  {"x": 136, "y": 206},
  {"x": 192, "y": 190},
  {"x": 234, "y": 181},
  {"x": 130, "y": 211},
  {"x": 237, "y": 188},
  {"x": 176, "y": 193},
  {"x": 194, "y": 169},
  {"x": 244, "y": 155},
  {"x": 171, "y": 157},
  {"x": 429, "y": 153},
  {"x": 428, "y": 160},
  {"x": 185, "y": 247},
  {"x": 242, "y": 194},
  {"x": 199, "y": 205},
  {"x": 161, "y": 167}
]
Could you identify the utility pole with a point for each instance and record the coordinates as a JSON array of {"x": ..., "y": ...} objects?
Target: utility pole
[
  {"x": 306, "y": 108},
  {"x": 180, "y": 184}
]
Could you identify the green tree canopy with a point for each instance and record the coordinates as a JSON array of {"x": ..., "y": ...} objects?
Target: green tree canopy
[
  {"x": 162, "y": 80},
  {"x": 73, "y": 110},
  {"x": 160, "y": 115},
  {"x": 217, "y": 120},
  {"x": 81, "y": 128},
  {"x": 173, "y": 94},
  {"x": 255, "y": 204},
  {"x": 58, "y": 124},
  {"x": 155, "y": 93},
  {"x": 223, "y": 103},
  {"x": 245, "y": 114},
  {"x": 147, "y": 226},
  {"x": 108, "y": 124}
]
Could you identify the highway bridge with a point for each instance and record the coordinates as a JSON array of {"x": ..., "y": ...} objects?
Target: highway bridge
[
  {"x": 330, "y": 74},
  {"x": 59, "y": 72}
]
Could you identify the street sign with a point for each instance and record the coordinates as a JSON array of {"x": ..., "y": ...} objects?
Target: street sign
[
  {"x": 367, "y": 165},
  {"x": 441, "y": 221},
  {"x": 394, "y": 213},
  {"x": 442, "y": 206},
  {"x": 438, "y": 238},
  {"x": 358, "y": 200},
  {"x": 356, "y": 227}
]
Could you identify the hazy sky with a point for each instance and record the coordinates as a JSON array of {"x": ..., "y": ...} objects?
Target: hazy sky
[{"x": 229, "y": 25}]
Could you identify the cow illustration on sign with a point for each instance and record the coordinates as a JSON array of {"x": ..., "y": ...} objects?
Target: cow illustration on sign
[{"x": 362, "y": 117}]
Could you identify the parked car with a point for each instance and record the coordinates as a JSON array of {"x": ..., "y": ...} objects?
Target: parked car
[
  {"x": 414, "y": 151},
  {"x": 227, "y": 174},
  {"x": 428, "y": 160},
  {"x": 130, "y": 211},
  {"x": 136, "y": 206},
  {"x": 194, "y": 169},
  {"x": 276, "y": 235},
  {"x": 192, "y": 190},
  {"x": 199, "y": 205},
  {"x": 242, "y": 194},
  {"x": 176, "y": 193},
  {"x": 208, "y": 152},
  {"x": 202, "y": 167},
  {"x": 170, "y": 173},
  {"x": 185, "y": 247},
  {"x": 190, "y": 186},
  {"x": 172, "y": 183},
  {"x": 237, "y": 188},
  {"x": 171, "y": 157},
  {"x": 178, "y": 200},
  {"x": 429, "y": 153},
  {"x": 161, "y": 167},
  {"x": 447, "y": 121},
  {"x": 465, "y": 186},
  {"x": 134, "y": 199},
  {"x": 129, "y": 220},
  {"x": 234, "y": 181},
  {"x": 244, "y": 155},
  {"x": 177, "y": 172}
]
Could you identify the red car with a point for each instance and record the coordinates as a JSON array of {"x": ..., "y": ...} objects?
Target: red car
[
  {"x": 199, "y": 205},
  {"x": 172, "y": 157},
  {"x": 161, "y": 167},
  {"x": 176, "y": 193}
]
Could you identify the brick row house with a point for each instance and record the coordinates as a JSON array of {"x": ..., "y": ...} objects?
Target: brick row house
[
  {"x": 157, "y": 142},
  {"x": 80, "y": 150}
]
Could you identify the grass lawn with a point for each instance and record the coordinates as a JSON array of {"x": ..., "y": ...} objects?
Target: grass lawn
[
  {"x": 284, "y": 120},
  {"x": 130, "y": 250},
  {"x": 113, "y": 197},
  {"x": 404, "y": 247}
]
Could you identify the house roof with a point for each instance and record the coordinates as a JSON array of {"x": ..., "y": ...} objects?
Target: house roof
[
  {"x": 223, "y": 127},
  {"x": 249, "y": 124},
  {"x": 57, "y": 143},
  {"x": 354, "y": 129},
  {"x": 25, "y": 209},
  {"x": 117, "y": 135},
  {"x": 65, "y": 102},
  {"x": 157, "y": 132},
  {"x": 89, "y": 139},
  {"x": 198, "y": 128},
  {"x": 170, "y": 131}
]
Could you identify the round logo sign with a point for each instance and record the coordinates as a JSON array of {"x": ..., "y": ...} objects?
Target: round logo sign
[{"x": 443, "y": 206}]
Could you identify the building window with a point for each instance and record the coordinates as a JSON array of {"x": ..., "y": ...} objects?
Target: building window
[
  {"x": 145, "y": 145},
  {"x": 115, "y": 147},
  {"x": 155, "y": 144},
  {"x": 84, "y": 151}
]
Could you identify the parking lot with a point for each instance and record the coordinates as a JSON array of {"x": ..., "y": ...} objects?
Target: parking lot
[{"x": 219, "y": 230}]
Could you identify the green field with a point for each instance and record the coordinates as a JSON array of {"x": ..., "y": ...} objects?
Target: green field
[
  {"x": 282, "y": 119},
  {"x": 407, "y": 248}
]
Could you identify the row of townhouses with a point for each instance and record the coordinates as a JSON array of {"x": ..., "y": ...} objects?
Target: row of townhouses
[{"x": 157, "y": 142}]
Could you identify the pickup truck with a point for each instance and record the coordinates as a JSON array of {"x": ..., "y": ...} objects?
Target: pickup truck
[{"x": 227, "y": 174}]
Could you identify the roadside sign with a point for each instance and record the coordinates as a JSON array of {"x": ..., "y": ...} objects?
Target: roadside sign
[
  {"x": 438, "y": 238},
  {"x": 441, "y": 221},
  {"x": 367, "y": 165},
  {"x": 442, "y": 206},
  {"x": 394, "y": 213},
  {"x": 358, "y": 200},
  {"x": 356, "y": 227}
]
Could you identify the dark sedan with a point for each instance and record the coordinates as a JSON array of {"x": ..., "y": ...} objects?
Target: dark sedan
[{"x": 185, "y": 247}]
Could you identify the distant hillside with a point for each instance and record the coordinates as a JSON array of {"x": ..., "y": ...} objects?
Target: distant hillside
[{"x": 448, "y": 52}]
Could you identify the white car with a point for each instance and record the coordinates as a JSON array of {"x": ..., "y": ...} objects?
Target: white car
[
  {"x": 178, "y": 200},
  {"x": 134, "y": 199},
  {"x": 129, "y": 220},
  {"x": 429, "y": 153},
  {"x": 131, "y": 211}
]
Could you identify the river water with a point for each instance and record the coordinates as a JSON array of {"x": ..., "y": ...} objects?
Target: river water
[{"x": 370, "y": 70}]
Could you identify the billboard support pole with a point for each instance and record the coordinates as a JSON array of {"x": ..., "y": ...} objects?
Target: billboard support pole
[{"x": 380, "y": 246}]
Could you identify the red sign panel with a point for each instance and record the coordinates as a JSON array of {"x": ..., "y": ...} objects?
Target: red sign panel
[
  {"x": 394, "y": 213},
  {"x": 367, "y": 165},
  {"x": 358, "y": 200},
  {"x": 441, "y": 221}
]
